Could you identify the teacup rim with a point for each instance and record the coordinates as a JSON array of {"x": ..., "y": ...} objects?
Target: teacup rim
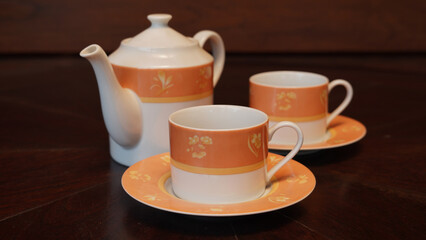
[
  {"x": 257, "y": 75},
  {"x": 265, "y": 121}
]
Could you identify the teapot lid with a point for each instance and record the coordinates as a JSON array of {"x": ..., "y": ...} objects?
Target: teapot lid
[{"x": 159, "y": 35}]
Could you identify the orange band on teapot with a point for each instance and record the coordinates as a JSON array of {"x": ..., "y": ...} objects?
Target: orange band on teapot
[
  {"x": 167, "y": 85},
  {"x": 176, "y": 99}
]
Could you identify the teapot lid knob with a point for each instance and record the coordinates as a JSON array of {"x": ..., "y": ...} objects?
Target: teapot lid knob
[
  {"x": 159, "y": 20},
  {"x": 159, "y": 35}
]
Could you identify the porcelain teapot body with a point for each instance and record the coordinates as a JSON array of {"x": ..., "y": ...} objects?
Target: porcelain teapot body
[{"x": 147, "y": 78}]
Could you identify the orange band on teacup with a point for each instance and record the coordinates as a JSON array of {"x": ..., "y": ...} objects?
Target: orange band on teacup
[
  {"x": 297, "y": 119},
  {"x": 167, "y": 85},
  {"x": 217, "y": 171},
  {"x": 298, "y": 104},
  {"x": 219, "y": 151}
]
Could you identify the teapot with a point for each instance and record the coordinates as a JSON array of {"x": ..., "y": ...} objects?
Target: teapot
[{"x": 150, "y": 76}]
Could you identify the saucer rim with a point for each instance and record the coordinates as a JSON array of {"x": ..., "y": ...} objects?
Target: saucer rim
[
  {"x": 222, "y": 214},
  {"x": 312, "y": 147}
]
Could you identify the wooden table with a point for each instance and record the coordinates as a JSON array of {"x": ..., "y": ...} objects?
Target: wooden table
[{"x": 58, "y": 181}]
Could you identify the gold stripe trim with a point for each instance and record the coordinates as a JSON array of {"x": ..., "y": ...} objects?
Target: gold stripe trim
[
  {"x": 176, "y": 99},
  {"x": 274, "y": 185},
  {"x": 297, "y": 119},
  {"x": 162, "y": 182},
  {"x": 217, "y": 171}
]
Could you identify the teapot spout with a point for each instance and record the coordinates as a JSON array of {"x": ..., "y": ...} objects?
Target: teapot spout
[{"x": 120, "y": 106}]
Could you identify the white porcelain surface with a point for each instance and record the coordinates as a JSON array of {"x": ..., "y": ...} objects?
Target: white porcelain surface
[
  {"x": 160, "y": 46},
  {"x": 156, "y": 132},
  {"x": 313, "y": 132},
  {"x": 219, "y": 117},
  {"x": 218, "y": 189},
  {"x": 120, "y": 107},
  {"x": 289, "y": 79}
]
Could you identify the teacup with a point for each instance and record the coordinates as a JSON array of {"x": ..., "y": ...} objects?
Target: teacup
[
  {"x": 218, "y": 153},
  {"x": 300, "y": 97}
]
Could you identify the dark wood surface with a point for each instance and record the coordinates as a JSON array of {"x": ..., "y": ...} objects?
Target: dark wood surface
[
  {"x": 52, "y": 26},
  {"x": 57, "y": 180}
]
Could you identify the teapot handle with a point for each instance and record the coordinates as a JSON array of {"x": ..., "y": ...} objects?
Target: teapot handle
[{"x": 218, "y": 49}]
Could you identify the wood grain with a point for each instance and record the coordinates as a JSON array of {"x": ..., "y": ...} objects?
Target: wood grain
[{"x": 50, "y": 26}]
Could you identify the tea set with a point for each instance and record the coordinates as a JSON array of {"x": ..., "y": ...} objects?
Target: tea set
[{"x": 188, "y": 156}]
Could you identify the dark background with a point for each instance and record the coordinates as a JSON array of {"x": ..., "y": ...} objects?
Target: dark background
[{"x": 276, "y": 26}]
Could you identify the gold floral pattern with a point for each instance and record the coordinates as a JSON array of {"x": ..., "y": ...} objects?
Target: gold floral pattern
[
  {"x": 351, "y": 128},
  {"x": 206, "y": 140},
  {"x": 301, "y": 179},
  {"x": 280, "y": 198},
  {"x": 284, "y": 99},
  {"x": 199, "y": 155},
  {"x": 323, "y": 97},
  {"x": 151, "y": 198},
  {"x": 337, "y": 141},
  {"x": 166, "y": 160},
  {"x": 274, "y": 159},
  {"x": 255, "y": 143},
  {"x": 205, "y": 76},
  {"x": 162, "y": 83},
  {"x": 197, "y": 146},
  {"x": 216, "y": 209},
  {"x": 135, "y": 175}
]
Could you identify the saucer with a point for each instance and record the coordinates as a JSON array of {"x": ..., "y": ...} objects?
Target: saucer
[
  {"x": 342, "y": 131},
  {"x": 148, "y": 181}
]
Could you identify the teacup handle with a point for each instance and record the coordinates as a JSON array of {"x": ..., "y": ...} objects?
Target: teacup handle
[
  {"x": 292, "y": 153},
  {"x": 218, "y": 49},
  {"x": 346, "y": 101}
]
